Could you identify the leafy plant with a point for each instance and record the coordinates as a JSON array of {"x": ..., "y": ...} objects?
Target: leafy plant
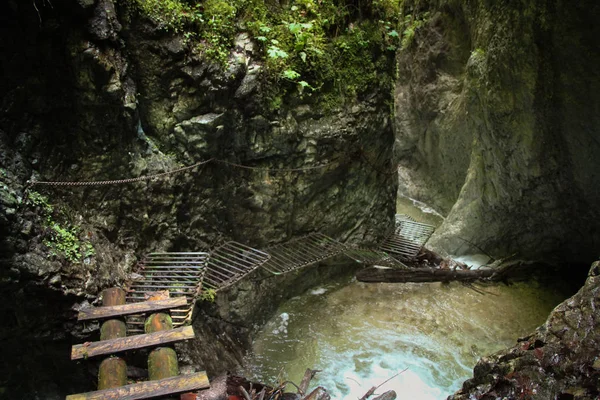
[
  {"x": 329, "y": 44},
  {"x": 208, "y": 295},
  {"x": 412, "y": 24},
  {"x": 290, "y": 74},
  {"x": 62, "y": 240},
  {"x": 40, "y": 201},
  {"x": 275, "y": 52}
]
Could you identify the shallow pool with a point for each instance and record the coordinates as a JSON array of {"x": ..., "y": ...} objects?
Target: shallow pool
[{"x": 361, "y": 334}]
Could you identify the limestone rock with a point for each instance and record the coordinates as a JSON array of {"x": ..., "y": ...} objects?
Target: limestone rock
[
  {"x": 559, "y": 360},
  {"x": 495, "y": 127}
]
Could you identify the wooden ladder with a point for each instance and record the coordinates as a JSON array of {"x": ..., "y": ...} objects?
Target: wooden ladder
[{"x": 116, "y": 344}]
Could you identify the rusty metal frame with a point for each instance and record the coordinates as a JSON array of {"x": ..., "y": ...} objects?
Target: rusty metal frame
[
  {"x": 230, "y": 262},
  {"x": 179, "y": 273},
  {"x": 403, "y": 217},
  {"x": 301, "y": 252},
  {"x": 407, "y": 239}
]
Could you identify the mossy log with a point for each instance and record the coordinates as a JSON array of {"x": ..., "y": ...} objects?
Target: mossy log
[
  {"x": 113, "y": 371},
  {"x": 113, "y": 329},
  {"x": 318, "y": 394},
  {"x": 162, "y": 362},
  {"x": 389, "y": 395}
]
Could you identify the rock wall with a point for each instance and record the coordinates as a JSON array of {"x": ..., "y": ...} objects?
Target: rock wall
[
  {"x": 93, "y": 92},
  {"x": 558, "y": 361},
  {"x": 497, "y": 126}
]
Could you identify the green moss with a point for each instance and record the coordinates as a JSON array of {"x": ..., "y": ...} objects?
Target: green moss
[
  {"x": 335, "y": 47},
  {"x": 478, "y": 53},
  {"x": 61, "y": 238},
  {"x": 208, "y": 295}
]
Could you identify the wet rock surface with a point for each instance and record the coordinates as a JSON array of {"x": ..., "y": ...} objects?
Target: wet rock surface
[
  {"x": 496, "y": 128},
  {"x": 558, "y": 361},
  {"x": 90, "y": 93}
]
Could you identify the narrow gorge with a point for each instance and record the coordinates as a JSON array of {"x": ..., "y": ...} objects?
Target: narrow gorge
[{"x": 136, "y": 126}]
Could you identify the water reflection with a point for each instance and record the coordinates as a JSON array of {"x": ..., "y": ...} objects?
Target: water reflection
[
  {"x": 419, "y": 211},
  {"x": 361, "y": 334}
]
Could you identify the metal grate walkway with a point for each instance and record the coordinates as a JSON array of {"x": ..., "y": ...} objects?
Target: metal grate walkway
[
  {"x": 179, "y": 273},
  {"x": 301, "y": 252},
  {"x": 408, "y": 238},
  {"x": 403, "y": 217},
  {"x": 231, "y": 262}
]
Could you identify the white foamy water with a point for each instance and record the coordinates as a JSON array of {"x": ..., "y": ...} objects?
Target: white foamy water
[
  {"x": 318, "y": 291},
  {"x": 418, "y": 210},
  {"x": 475, "y": 261},
  {"x": 362, "y": 334}
]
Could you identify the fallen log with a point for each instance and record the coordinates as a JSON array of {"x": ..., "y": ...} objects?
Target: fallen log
[
  {"x": 389, "y": 395},
  {"x": 309, "y": 374},
  {"x": 318, "y": 394},
  {"x": 373, "y": 274}
]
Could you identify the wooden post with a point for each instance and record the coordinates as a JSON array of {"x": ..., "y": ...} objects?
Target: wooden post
[
  {"x": 162, "y": 362},
  {"x": 113, "y": 371}
]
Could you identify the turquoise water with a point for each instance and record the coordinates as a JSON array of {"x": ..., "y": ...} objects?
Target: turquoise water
[{"x": 362, "y": 334}]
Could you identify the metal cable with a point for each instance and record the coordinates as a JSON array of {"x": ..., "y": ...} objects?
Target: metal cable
[
  {"x": 182, "y": 169},
  {"x": 117, "y": 181},
  {"x": 163, "y": 174}
]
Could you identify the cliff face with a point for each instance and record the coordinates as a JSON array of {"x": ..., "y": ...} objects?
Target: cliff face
[
  {"x": 92, "y": 91},
  {"x": 558, "y": 361},
  {"x": 88, "y": 98},
  {"x": 497, "y": 126}
]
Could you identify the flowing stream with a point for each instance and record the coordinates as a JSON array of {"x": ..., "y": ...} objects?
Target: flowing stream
[{"x": 361, "y": 334}]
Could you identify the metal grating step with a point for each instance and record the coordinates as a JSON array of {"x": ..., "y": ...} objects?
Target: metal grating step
[
  {"x": 179, "y": 273},
  {"x": 407, "y": 239},
  {"x": 301, "y": 252},
  {"x": 403, "y": 217},
  {"x": 231, "y": 262}
]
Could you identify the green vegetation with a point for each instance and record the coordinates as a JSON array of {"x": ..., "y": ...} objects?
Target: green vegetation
[
  {"x": 208, "y": 295},
  {"x": 339, "y": 48},
  {"x": 63, "y": 239},
  {"x": 411, "y": 24}
]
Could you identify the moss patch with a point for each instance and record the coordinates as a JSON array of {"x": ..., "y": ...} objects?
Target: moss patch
[
  {"x": 61, "y": 237},
  {"x": 340, "y": 48}
]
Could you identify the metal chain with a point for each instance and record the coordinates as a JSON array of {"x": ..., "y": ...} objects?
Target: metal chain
[
  {"x": 118, "y": 181},
  {"x": 178, "y": 170}
]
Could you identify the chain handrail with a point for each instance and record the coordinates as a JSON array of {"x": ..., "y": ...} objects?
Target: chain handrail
[
  {"x": 31, "y": 183},
  {"x": 117, "y": 181}
]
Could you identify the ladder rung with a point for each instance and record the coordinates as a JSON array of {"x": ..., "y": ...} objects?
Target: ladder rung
[
  {"x": 112, "y": 346},
  {"x": 132, "y": 308},
  {"x": 149, "y": 389}
]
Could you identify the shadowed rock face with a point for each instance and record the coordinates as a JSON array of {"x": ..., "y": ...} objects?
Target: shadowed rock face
[
  {"x": 497, "y": 126},
  {"x": 89, "y": 93},
  {"x": 558, "y": 361},
  {"x": 92, "y": 96}
]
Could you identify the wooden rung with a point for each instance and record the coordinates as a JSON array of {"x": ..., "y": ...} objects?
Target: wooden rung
[
  {"x": 113, "y": 346},
  {"x": 132, "y": 308},
  {"x": 149, "y": 389}
]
